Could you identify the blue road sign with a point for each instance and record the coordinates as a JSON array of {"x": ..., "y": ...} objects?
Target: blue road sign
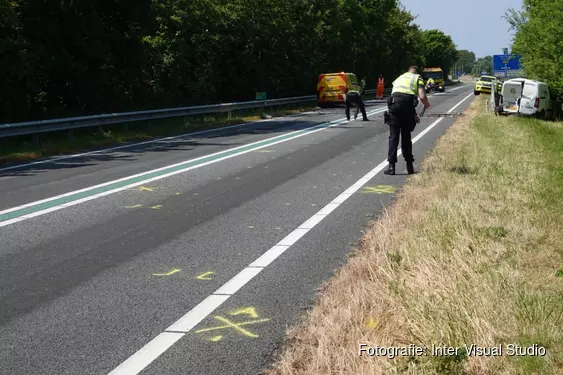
[
  {"x": 505, "y": 51},
  {"x": 458, "y": 73},
  {"x": 507, "y": 66}
]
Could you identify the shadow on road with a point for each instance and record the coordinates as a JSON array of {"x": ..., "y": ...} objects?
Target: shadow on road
[{"x": 186, "y": 143}]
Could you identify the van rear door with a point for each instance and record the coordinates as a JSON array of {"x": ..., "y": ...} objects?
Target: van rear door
[
  {"x": 529, "y": 95},
  {"x": 330, "y": 87},
  {"x": 511, "y": 91}
]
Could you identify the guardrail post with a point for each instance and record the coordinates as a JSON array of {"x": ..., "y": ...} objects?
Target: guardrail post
[
  {"x": 126, "y": 127},
  {"x": 229, "y": 114},
  {"x": 70, "y": 135},
  {"x": 36, "y": 139},
  {"x": 100, "y": 131}
]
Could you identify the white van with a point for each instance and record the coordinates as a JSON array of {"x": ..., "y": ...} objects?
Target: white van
[{"x": 527, "y": 97}]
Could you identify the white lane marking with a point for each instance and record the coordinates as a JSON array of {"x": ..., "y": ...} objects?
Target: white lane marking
[
  {"x": 267, "y": 142},
  {"x": 143, "y": 357},
  {"x": 197, "y": 314},
  {"x": 269, "y": 256},
  {"x": 154, "y": 348},
  {"x": 238, "y": 281},
  {"x": 163, "y": 140}
]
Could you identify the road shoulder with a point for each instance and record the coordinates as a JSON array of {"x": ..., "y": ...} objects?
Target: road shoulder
[{"x": 467, "y": 260}]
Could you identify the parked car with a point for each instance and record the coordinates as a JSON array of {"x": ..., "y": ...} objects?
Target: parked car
[
  {"x": 527, "y": 97},
  {"x": 484, "y": 83}
]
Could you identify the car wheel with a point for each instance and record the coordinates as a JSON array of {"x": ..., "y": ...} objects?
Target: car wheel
[
  {"x": 476, "y": 93},
  {"x": 540, "y": 115}
]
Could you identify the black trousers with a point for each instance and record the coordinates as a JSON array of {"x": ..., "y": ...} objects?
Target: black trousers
[
  {"x": 355, "y": 98},
  {"x": 401, "y": 110}
]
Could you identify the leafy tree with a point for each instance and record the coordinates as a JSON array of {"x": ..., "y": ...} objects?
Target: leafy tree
[
  {"x": 483, "y": 64},
  {"x": 65, "y": 57},
  {"x": 539, "y": 39},
  {"x": 440, "y": 50},
  {"x": 465, "y": 61}
]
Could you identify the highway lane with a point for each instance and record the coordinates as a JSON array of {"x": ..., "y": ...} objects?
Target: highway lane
[
  {"x": 61, "y": 175},
  {"x": 78, "y": 289}
]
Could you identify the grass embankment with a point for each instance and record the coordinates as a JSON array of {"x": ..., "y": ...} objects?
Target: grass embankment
[
  {"x": 471, "y": 252},
  {"x": 52, "y": 144}
]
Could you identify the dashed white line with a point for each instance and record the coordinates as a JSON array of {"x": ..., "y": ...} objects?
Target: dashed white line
[{"x": 146, "y": 355}]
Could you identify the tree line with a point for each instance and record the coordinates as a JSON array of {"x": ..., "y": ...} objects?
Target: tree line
[
  {"x": 468, "y": 63},
  {"x": 67, "y": 58},
  {"x": 539, "y": 40}
]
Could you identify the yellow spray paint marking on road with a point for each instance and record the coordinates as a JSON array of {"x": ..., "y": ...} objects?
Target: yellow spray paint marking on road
[
  {"x": 379, "y": 189},
  {"x": 204, "y": 275},
  {"x": 236, "y": 326},
  {"x": 157, "y": 207},
  {"x": 171, "y": 272},
  {"x": 245, "y": 310},
  {"x": 146, "y": 188},
  {"x": 264, "y": 150},
  {"x": 371, "y": 323}
]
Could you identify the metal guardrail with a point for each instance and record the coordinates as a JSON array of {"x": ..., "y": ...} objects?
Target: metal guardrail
[{"x": 71, "y": 123}]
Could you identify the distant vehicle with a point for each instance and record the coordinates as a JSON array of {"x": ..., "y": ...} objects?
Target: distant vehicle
[
  {"x": 330, "y": 87},
  {"x": 528, "y": 98},
  {"x": 484, "y": 84},
  {"x": 438, "y": 75}
]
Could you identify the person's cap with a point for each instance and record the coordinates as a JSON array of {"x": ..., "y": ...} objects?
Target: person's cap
[{"x": 413, "y": 67}]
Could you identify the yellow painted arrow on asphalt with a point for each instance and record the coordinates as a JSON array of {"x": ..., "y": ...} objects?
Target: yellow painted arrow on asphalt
[
  {"x": 171, "y": 272},
  {"x": 203, "y": 276}
]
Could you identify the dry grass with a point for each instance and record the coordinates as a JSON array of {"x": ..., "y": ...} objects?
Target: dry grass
[{"x": 470, "y": 253}]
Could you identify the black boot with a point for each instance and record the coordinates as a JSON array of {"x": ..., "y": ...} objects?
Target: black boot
[
  {"x": 391, "y": 169},
  {"x": 410, "y": 167}
]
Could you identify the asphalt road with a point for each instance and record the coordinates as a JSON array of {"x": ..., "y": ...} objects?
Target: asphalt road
[{"x": 89, "y": 278}]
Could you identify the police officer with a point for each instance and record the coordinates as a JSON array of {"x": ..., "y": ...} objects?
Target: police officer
[
  {"x": 354, "y": 97},
  {"x": 402, "y": 118}
]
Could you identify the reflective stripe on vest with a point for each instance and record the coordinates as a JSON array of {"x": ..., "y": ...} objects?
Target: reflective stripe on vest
[{"x": 407, "y": 84}]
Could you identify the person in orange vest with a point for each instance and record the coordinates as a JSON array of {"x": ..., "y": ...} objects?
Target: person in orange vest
[{"x": 380, "y": 86}]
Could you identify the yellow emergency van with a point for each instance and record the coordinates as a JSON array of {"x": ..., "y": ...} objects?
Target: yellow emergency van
[
  {"x": 330, "y": 87},
  {"x": 437, "y": 75}
]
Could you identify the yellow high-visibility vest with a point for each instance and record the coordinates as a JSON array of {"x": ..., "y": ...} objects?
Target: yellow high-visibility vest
[{"x": 407, "y": 84}]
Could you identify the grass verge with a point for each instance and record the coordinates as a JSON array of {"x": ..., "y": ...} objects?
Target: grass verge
[
  {"x": 471, "y": 252},
  {"x": 24, "y": 148}
]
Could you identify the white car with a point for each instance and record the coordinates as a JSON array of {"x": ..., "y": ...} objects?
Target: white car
[{"x": 527, "y": 97}]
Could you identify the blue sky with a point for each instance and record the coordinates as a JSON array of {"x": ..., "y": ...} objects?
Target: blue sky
[{"x": 475, "y": 25}]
